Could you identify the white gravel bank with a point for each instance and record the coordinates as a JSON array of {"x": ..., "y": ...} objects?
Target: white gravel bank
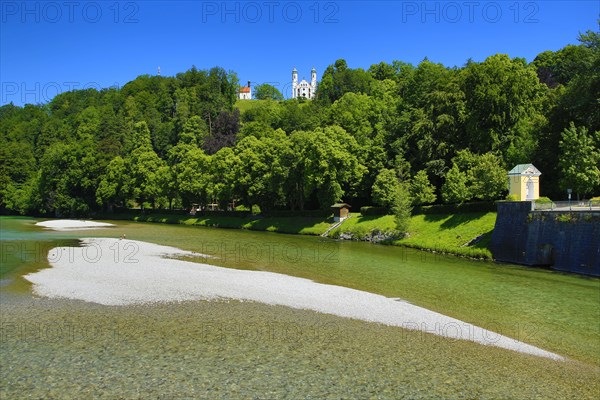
[
  {"x": 72, "y": 224},
  {"x": 121, "y": 272}
]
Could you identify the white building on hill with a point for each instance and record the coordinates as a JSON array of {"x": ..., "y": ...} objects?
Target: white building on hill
[
  {"x": 303, "y": 88},
  {"x": 245, "y": 92}
]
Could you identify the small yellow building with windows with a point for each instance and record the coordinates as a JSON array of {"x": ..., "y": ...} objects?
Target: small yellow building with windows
[{"x": 524, "y": 182}]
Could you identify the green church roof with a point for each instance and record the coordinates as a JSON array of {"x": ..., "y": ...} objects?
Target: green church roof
[{"x": 525, "y": 169}]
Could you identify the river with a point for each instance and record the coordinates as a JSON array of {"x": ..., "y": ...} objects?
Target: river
[{"x": 61, "y": 348}]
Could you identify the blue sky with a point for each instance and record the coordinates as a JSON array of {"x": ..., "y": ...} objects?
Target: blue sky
[{"x": 50, "y": 47}]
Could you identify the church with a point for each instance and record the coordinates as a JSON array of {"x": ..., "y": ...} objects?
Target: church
[
  {"x": 303, "y": 88},
  {"x": 245, "y": 92}
]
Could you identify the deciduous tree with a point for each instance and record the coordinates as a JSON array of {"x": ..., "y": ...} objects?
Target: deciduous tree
[
  {"x": 421, "y": 190},
  {"x": 267, "y": 92},
  {"x": 579, "y": 160},
  {"x": 385, "y": 188}
]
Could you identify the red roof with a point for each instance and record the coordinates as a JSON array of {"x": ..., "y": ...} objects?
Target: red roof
[{"x": 244, "y": 89}]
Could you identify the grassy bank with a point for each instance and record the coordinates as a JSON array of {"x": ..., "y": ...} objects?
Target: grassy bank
[
  {"x": 293, "y": 225},
  {"x": 443, "y": 233},
  {"x": 465, "y": 234}
]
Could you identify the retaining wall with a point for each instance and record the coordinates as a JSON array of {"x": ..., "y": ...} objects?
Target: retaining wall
[{"x": 563, "y": 240}]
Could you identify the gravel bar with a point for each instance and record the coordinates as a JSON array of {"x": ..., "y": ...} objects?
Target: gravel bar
[{"x": 120, "y": 272}]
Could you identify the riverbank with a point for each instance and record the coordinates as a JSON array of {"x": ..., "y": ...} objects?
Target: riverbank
[
  {"x": 463, "y": 234},
  {"x": 298, "y": 225}
]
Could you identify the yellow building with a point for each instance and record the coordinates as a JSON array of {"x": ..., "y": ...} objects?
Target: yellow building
[{"x": 524, "y": 182}]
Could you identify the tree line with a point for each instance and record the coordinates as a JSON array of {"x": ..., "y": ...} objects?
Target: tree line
[{"x": 425, "y": 133}]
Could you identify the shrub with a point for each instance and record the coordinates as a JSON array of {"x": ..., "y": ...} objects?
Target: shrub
[
  {"x": 479, "y": 206},
  {"x": 543, "y": 199},
  {"x": 306, "y": 213},
  {"x": 567, "y": 217},
  {"x": 219, "y": 213},
  {"x": 512, "y": 197},
  {"x": 371, "y": 210}
]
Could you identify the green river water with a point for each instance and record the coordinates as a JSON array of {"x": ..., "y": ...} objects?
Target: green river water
[{"x": 58, "y": 348}]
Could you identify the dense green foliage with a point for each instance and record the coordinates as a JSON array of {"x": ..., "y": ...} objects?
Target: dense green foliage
[
  {"x": 579, "y": 159},
  {"x": 421, "y": 190},
  {"x": 448, "y": 134},
  {"x": 267, "y": 92},
  {"x": 385, "y": 188}
]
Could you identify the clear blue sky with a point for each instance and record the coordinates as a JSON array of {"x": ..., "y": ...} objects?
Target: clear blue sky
[{"x": 47, "y": 47}]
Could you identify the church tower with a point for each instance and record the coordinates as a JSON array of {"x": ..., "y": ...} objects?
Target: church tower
[
  {"x": 303, "y": 88},
  {"x": 294, "y": 82}
]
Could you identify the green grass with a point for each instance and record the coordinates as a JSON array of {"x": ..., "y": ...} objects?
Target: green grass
[
  {"x": 445, "y": 233},
  {"x": 451, "y": 233},
  {"x": 361, "y": 225},
  {"x": 245, "y": 105}
]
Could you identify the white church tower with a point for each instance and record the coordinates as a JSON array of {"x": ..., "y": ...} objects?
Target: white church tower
[
  {"x": 303, "y": 88},
  {"x": 294, "y": 82}
]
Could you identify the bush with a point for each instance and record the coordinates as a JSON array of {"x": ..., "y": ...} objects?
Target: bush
[
  {"x": 566, "y": 217},
  {"x": 480, "y": 206},
  {"x": 371, "y": 210},
  {"x": 305, "y": 213},
  {"x": 512, "y": 197},
  {"x": 240, "y": 214},
  {"x": 543, "y": 199},
  {"x": 160, "y": 211}
]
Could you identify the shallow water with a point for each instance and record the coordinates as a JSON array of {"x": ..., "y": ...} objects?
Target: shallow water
[{"x": 72, "y": 349}]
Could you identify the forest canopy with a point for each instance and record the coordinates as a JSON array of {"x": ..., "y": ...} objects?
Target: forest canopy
[{"x": 443, "y": 134}]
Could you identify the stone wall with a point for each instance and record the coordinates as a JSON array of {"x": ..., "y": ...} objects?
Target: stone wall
[{"x": 563, "y": 240}]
